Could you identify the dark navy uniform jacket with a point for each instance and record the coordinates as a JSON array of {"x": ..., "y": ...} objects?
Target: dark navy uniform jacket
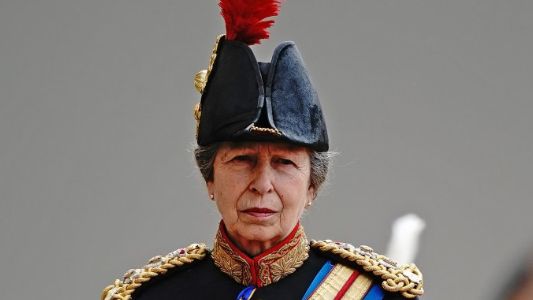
[{"x": 293, "y": 269}]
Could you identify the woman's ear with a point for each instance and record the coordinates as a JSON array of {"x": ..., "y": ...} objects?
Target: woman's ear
[
  {"x": 311, "y": 193},
  {"x": 210, "y": 189}
]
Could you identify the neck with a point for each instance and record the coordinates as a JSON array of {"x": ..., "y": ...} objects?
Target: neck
[{"x": 252, "y": 248}]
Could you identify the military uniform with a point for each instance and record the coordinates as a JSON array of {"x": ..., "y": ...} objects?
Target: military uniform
[
  {"x": 293, "y": 269},
  {"x": 246, "y": 100}
]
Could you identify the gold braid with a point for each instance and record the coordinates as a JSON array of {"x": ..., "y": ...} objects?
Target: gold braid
[
  {"x": 134, "y": 278},
  {"x": 405, "y": 279}
]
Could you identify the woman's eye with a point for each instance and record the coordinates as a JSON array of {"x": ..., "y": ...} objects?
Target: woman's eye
[
  {"x": 285, "y": 161},
  {"x": 242, "y": 158}
]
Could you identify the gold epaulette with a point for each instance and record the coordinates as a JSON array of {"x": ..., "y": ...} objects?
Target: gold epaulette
[
  {"x": 158, "y": 265},
  {"x": 400, "y": 278}
]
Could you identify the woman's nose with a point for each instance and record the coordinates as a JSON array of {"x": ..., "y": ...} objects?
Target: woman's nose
[{"x": 262, "y": 179}]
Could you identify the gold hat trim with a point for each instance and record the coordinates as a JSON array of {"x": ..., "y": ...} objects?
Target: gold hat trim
[{"x": 200, "y": 81}]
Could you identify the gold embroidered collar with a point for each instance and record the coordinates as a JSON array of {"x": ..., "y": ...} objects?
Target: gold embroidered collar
[{"x": 266, "y": 268}]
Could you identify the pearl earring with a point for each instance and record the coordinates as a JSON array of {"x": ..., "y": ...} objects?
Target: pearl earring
[{"x": 212, "y": 196}]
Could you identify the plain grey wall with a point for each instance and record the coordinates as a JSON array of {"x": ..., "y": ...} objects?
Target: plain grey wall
[{"x": 429, "y": 103}]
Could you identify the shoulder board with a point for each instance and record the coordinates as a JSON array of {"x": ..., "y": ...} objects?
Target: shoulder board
[
  {"x": 158, "y": 265},
  {"x": 398, "y": 278}
]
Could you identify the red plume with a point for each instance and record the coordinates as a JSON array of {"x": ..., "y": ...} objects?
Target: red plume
[{"x": 245, "y": 19}]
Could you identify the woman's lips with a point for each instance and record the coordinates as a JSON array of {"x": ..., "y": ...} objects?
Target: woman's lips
[{"x": 259, "y": 212}]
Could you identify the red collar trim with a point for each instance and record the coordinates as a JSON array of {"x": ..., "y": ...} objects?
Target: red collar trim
[{"x": 265, "y": 268}]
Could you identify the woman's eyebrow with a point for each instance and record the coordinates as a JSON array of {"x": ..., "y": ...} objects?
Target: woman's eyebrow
[{"x": 237, "y": 146}]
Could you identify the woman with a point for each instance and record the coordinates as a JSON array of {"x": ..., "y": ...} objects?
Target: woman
[{"x": 263, "y": 152}]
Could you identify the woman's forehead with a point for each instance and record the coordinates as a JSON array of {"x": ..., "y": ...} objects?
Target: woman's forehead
[{"x": 263, "y": 146}]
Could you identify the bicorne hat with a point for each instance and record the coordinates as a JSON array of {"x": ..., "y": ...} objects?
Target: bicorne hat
[{"x": 243, "y": 99}]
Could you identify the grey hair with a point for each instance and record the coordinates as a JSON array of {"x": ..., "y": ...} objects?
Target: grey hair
[{"x": 320, "y": 161}]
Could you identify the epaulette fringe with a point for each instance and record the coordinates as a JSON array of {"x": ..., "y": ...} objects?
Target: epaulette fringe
[
  {"x": 158, "y": 265},
  {"x": 399, "y": 278}
]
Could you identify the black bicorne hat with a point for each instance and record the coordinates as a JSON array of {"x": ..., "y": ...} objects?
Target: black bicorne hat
[{"x": 243, "y": 99}]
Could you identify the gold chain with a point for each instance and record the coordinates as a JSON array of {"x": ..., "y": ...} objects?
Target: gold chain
[{"x": 133, "y": 279}]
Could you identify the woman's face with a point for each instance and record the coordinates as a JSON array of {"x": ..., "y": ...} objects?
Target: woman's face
[{"x": 261, "y": 189}]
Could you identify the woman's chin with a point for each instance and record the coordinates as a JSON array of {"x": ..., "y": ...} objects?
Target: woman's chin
[{"x": 259, "y": 233}]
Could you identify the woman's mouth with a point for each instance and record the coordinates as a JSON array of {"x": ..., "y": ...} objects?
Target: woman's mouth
[{"x": 259, "y": 212}]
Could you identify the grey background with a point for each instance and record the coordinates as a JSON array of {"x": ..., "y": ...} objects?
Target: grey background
[{"x": 428, "y": 102}]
